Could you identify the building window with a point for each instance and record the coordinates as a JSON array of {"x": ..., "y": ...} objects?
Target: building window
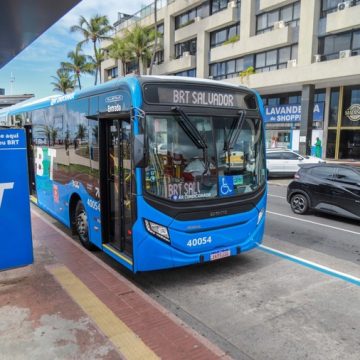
[
  {"x": 351, "y": 97},
  {"x": 275, "y": 59},
  {"x": 282, "y": 99},
  {"x": 189, "y": 73},
  {"x": 289, "y": 14},
  {"x": 132, "y": 67},
  {"x": 189, "y": 16},
  {"x": 227, "y": 69},
  {"x": 330, "y": 6},
  {"x": 112, "y": 73},
  {"x": 221, "y": 36},
  {"x": 159, "y": 57},
  {"x": 218, "y": 5},
  {"x": 330, "y": 46},
  {"x": 160, "y": 28},
  {"x": 187, "y": 46}
]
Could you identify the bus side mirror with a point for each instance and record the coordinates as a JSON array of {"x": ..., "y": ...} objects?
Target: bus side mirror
[{"x": 139, "y": 151}]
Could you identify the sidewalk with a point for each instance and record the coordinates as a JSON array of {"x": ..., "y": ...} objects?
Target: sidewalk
[{"x": 71, "y": 305}]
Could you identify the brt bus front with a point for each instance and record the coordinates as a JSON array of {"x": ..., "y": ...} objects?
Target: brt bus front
[{"x": 204, "y": 184}]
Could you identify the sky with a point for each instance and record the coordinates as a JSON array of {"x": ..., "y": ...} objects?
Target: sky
[{"x": 33, "y": 67}]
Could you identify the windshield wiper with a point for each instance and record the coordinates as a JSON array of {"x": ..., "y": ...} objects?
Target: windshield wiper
[
  {"x": 192, "y": 132},
  {"x": 234, "y": 132},
  {"x": 233, "y": 135}
]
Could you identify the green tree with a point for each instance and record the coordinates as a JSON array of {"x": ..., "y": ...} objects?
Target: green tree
[
  {"x": 155, "y": 39},
  {"x": 96, "y": 61},
  {"x": 119, "y": 50},
  {"x": 94, "y": 30},
  {"x": 139, "y": 39},
  {"x": 79, "y": 64},
  {"x": 81, "y": 132},
  {"x": 63, "y": 81}
]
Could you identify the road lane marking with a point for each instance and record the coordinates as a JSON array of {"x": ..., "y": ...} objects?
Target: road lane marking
[
  {"x": 125, "y": 340},
  {"x": 313, "y": 222},
  {"x": 277, "y": 196},
  {"x": 312, "y": 265}
]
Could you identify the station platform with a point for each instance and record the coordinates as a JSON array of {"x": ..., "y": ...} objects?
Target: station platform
[{"x": 72, "y": 305}]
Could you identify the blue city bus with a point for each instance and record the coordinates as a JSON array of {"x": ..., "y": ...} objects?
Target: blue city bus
[{"x": 158, "y": 172}]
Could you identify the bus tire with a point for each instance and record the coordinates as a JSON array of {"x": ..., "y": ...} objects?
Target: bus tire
[{"x": 82, "y": 227}]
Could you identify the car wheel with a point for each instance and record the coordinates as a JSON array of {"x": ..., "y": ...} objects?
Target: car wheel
[
  {"x": 82, "y": 227},
  {"x": 299, "y": 204}
]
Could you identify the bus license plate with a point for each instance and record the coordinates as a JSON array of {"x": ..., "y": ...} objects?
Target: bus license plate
[{"x": 220, "y": 255}]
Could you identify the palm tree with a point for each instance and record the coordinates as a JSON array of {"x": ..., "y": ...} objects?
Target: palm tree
[
  {"x": 81, "y": 132},
  {"x": 96, "y": 61},
  {"x": 139, "y": 39},
  {"x": 155, "y": 39},
  {"x": 119, "y": 50},
  {"x": 64, "y": 82},
  {"x": 79, "y": 64},
  {"x": 94, "y": 30}
]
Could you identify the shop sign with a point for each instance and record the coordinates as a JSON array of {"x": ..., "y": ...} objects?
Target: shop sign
[
  {"x": 353, "y": 112},
  {"x": 291, "y": 113}
]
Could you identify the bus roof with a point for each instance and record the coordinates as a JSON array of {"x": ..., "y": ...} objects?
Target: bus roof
[{"x": 130, "y": 81}]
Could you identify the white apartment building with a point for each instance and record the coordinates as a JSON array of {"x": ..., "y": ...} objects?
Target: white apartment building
[{"x": 304, "y": 55}]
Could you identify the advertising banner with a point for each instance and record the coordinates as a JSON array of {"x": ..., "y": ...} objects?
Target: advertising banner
[
  {"x": 291, "y": 113},
  {"x": 15, "y": 223}
]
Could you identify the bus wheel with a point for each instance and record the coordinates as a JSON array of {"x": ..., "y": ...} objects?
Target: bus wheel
[{"x": 81, "y": 226}]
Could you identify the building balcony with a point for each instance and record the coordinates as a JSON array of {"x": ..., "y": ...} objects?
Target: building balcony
[
  {"x": 185, "y": 62},
  {"x": 269, "y": 40},
  {"x": 343, "y": 20},
  {"x": 322, "y": 74},
  {"x": 210, "y": 23},
  {"x": 267, "y": 5}
]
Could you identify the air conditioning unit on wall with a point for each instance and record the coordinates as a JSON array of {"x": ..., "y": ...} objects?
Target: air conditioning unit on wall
[
  {"x": 291, "y": 63},
  {"x": 317, "y": 58},
  {"x": 344, "y": 54},
  {"x": 279, "y": 24},
  {"x": 344, "y": 5}
]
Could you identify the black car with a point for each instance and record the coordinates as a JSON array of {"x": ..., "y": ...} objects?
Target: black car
[{"x": 334, "y": 189}]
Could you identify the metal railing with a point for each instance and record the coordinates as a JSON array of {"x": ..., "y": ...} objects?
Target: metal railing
[{"x": 141, "y": 14}]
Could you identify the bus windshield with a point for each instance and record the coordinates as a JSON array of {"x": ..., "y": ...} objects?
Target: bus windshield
[{"x": 178, "y": 170}]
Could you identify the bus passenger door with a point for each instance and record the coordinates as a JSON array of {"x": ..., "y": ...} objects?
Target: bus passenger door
[
  {"x": 30, "y": 160},
  {"x": 119, "y": 185}
]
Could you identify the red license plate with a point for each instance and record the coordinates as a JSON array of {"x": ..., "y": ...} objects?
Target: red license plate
[{"x": 220, "y": 255}]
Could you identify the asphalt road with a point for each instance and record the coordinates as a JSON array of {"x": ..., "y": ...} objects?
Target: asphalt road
[{"x": 262, "y": 305}]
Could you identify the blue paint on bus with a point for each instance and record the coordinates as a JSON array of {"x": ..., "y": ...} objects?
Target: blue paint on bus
[{"x": 69, "y": 166}]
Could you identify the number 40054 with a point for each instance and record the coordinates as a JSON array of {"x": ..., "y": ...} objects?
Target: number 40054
[{"x": 199, "y": 241}]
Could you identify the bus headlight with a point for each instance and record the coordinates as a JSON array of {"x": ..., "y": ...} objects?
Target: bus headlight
[
  {"x": 157, "y": 230},
  {"x": 260, "y": 216}
]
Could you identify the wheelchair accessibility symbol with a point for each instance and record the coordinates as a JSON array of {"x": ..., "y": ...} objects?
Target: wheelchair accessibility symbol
[{"x": 226, "y": 185}]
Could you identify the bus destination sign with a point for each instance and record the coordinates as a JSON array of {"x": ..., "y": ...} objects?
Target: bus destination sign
[{"x": 196, "y": 96}]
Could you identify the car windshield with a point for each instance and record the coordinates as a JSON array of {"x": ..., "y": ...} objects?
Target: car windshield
[{"x": 179, "y": 170}]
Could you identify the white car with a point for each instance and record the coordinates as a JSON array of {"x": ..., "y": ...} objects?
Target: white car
[{"x": 284, "y": 162}]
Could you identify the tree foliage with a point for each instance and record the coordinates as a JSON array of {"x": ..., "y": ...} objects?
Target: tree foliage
[{"x": 63, "y": 81}]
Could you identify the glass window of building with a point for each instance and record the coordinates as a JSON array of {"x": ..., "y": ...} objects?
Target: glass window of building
[
  {"x": 187, "y": 46},
  {"x": 160, "y": 28},
  {"x": 159, "y": 57},
  {"x": 290, "y": 14},
  {"x": 227, "y": 69},
  {"x": 334, "y": 107},
  {"x": 329, "y": 6},
  {"x": 219, "y": 37},
  {"x": 351, "y": 109},
  {"x": 112, "y": 73},
  {"x": 275, "y": 59},
  {"x": 189, "y": 16},
  {"x": 331, "y": 45},
  {"x": 218, "y": 5},
  {"x": 189, "y": 73}
]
